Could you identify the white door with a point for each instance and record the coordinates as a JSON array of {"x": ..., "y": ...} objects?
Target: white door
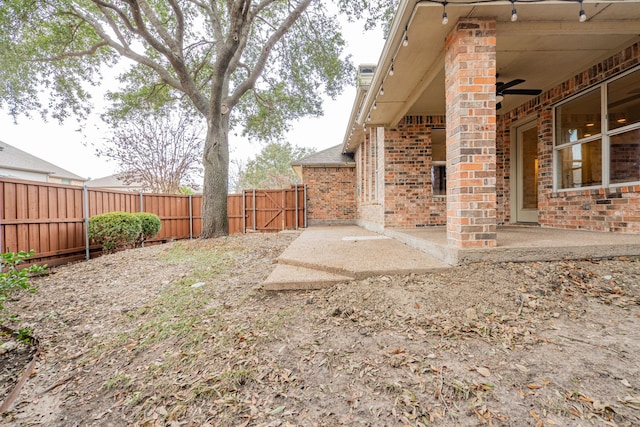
[{"x": 527, "y": 173}]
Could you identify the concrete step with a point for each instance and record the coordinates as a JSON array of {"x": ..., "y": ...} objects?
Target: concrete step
[{"x": 290, "y": 277}]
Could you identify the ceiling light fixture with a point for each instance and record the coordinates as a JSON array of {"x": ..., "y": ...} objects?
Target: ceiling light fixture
[
  {"x": 445, "y": 18},
  {"x": 391, "y": 69},
  {"x": 582, "y": 17},
  {"x": 405, "y": 41},
  {"x": 375, "y": 105},
  {"x": 514, "y": 14},
  {"x": 381, "y": 90},
  {"x": 499, "y": 98},
  {"x": 622, "y": 120}
]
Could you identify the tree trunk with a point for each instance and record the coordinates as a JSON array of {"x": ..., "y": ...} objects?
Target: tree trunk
[{"x": 215, "y": 222}]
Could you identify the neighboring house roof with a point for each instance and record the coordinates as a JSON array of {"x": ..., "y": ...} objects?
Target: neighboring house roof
[
  {"x": 16, "y": 159},
  {"x": 331, "y": 157},
  {"x": 114, "y": 182}
]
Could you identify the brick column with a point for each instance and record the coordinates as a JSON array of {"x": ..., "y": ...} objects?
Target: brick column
[{"x": 470, "y": 78}]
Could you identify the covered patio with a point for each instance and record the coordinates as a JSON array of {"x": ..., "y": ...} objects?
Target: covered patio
[
  {"x": 481, "y": 115},
  {"x": 325, "y": 255},
  {"x": 521, "y": 243}
]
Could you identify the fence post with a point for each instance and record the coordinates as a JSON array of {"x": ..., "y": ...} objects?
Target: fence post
[
  {"x": 244, "y": 214},
  {"x": 284, "y": 209},
  {"x": 85, "y": 196},
  {"x": 305, "y": 205},
  {"x": 297, "y": 213},
  {"x": 254, "y": 209},
  {"x": 141, "y": 210},
  {"x": 190, "y": 217}
]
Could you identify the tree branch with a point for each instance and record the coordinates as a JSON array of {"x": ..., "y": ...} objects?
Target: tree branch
[
  {"x": 87, "y": 52},
  {"x": 250, "y": 82}
]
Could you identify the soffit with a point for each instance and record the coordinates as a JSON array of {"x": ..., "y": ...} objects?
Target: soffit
[{"x": 546, "y": 46}]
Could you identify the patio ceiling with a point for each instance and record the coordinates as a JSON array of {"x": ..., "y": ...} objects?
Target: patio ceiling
[{"x": 545, "y": 46}]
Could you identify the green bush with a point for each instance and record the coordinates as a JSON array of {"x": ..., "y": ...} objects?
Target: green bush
[
  {"x": 150, "y": 224},
  {"x": 115, "y": 229},
  {"x": 13, "y": 279}
]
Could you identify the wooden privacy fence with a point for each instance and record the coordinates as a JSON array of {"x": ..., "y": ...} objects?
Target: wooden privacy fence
[{"x": 52, "y": 218}]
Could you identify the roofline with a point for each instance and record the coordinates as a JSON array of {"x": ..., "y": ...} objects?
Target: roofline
[
  {"x": 324, "y": 165},
  {"x": 401, "y": 22}
]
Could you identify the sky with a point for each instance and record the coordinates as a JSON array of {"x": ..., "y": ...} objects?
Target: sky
[{"x": 69, "y": 145}]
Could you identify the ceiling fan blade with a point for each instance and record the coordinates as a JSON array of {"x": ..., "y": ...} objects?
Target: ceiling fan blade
[
  {"x": 522, "y": 92},
  {"x": 502, "y": 86},
  {"x": 498, "y": 105}
]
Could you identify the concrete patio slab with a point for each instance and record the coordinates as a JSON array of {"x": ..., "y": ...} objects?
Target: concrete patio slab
[
  {"x": 523, "y": 243},
  {"x": 290, "y": 277},
  {"x": 324, "y": 255}
]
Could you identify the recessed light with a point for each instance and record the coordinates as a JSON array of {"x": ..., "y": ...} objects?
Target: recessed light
[
  {"x": 622, "y": 120},
  {"x": 590, "y": 125}
]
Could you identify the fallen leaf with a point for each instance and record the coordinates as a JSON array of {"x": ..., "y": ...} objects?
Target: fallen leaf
[
  {"x": 533, "y": 386},
  {"x": 483, "y": 371},
  {"x": 277, "y": 410}
]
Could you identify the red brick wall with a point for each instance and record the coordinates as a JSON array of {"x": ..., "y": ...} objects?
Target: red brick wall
[
  {"x": 331, "y": 194},
  {"x": 408, "y": 191},
  {"x": 605, "y": 209}
]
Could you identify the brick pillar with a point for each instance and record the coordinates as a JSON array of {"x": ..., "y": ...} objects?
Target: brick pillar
[
  {"x": 470, "y": 78},
  {"x": 545, "y": 166}
]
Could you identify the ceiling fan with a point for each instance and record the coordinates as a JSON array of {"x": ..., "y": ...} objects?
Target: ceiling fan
[{"x": 503, "y": 89}]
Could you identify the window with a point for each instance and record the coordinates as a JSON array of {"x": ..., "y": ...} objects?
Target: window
[
  {"x": 65, "y": 181},
  {"x": 597, "y": 135},
  {"x": 438, "y": 162}
]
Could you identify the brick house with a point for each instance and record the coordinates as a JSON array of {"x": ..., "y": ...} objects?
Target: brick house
[
  {"x": 330, "y": 178},
  {"x": 482, "y": 114}
]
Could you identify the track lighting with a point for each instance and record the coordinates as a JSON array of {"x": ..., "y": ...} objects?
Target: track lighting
[
  {"x": 381, "y": 90},
  {"x": 405, "y": 42},
  {"x": 375, "y": 105},
  {"x": 514, "y": 14},
  {"x": 391, "y": 69},
  {"x": 445, "y": 18},
  {"x": 582, "y": 17}
]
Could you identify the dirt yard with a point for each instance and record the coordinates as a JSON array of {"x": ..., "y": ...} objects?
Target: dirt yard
[{"x": 182, "y": 335}]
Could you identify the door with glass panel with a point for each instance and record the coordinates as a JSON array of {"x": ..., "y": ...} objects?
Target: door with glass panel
[{"x": 526, "y": 197}]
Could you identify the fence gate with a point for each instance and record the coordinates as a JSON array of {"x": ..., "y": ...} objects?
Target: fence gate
[{"x": 274, "y": 210}]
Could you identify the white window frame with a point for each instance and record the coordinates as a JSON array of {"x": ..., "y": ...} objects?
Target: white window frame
[{"x": 605, "y": 135}]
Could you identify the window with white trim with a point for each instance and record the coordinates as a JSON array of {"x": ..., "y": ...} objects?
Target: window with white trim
[{"x": 597, "y": 135}]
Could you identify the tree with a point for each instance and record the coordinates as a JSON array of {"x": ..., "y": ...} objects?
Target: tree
[
  {"x": 271, "y": 169},
  {"x": 161, "y": 150},
  {"x": 239, "y": 63}
]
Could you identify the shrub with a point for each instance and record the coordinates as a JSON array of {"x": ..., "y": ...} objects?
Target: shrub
[
  {"x": 115, "y": 229},
  {"x": 150, "y": 224},
  {"x": 13, "y": 279}
]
